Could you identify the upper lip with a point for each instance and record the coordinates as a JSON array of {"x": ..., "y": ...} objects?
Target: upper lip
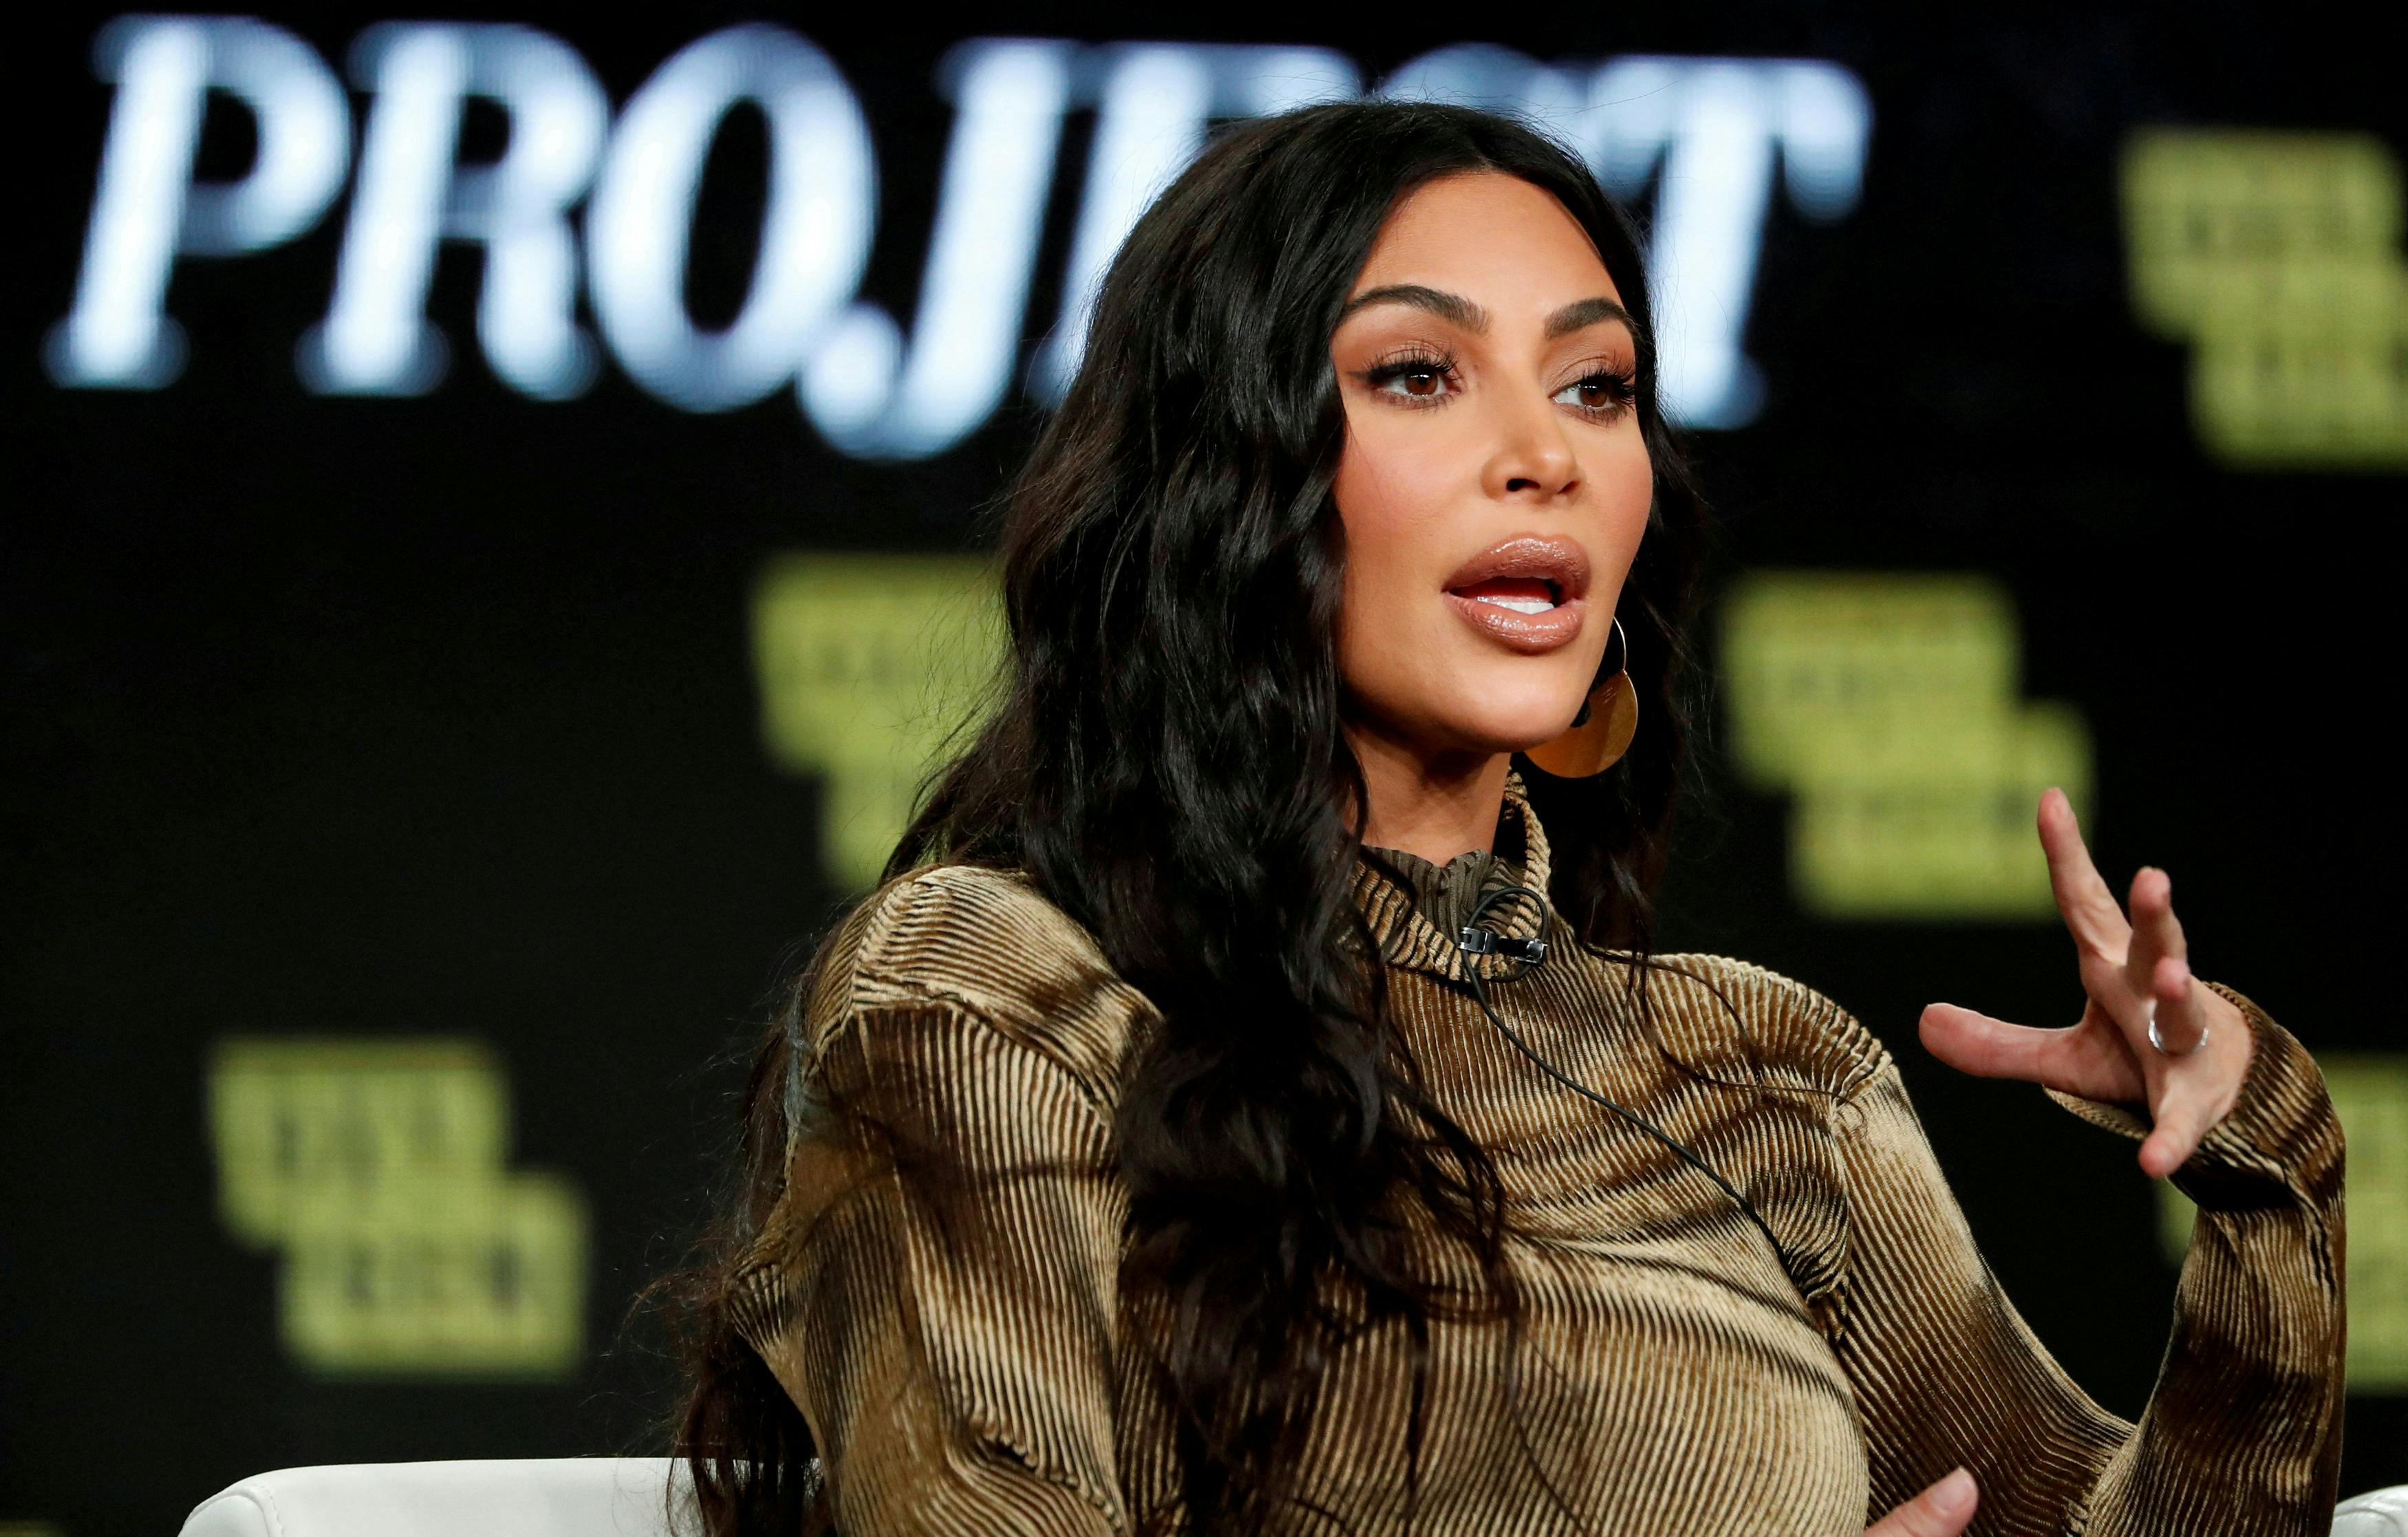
[{"x": 1551, "y": 558}]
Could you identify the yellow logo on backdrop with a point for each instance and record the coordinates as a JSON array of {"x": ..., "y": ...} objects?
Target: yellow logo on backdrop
[
  {"x": 2277, "y": 256},
  {"x": 2370, "y": 1093},
  {"x": 1885, "y": 704},
  {"x": 867, "y": 665},
  {"x": 378, "y": 1167}
]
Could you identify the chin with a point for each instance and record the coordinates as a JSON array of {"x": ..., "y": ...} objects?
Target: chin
[{"x": 1501, "y": 722}]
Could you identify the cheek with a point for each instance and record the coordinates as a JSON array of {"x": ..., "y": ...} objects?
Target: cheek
[
  {"x": 1384, "y": 479},
  {"x": 1387, "y": 512},
  {"x": 1388, "y": 509},
  {"x": 1626, "y": 487}
]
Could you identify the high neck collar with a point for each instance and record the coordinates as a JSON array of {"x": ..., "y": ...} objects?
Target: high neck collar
[{"x": 1415, "y": 914}]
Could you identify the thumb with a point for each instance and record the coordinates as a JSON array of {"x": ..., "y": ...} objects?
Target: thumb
[
  {"x": 1940, "y": 1511},
  {"x": 1972, "y": 1041}
]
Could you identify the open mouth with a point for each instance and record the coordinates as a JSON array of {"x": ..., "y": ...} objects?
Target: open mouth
[
  {"x": 1528, "y": 592},
  {"x": 1522, "y": 595}
]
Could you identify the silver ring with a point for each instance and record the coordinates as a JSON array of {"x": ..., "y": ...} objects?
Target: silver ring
[{"x": 2159, "y": 1043}]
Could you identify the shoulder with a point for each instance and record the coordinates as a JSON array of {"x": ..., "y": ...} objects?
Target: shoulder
[
  {"x": 986, "y": 947},
  {"x": 1799, "y": 1032}
]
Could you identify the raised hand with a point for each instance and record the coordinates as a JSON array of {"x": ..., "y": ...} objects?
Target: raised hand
[
  {"x": 2136, "y": 973},
  {"x": 1939, "y": 1510}
]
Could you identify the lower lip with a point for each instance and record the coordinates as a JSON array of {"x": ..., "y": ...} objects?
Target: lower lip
[{"x": 1533, "y": 633}]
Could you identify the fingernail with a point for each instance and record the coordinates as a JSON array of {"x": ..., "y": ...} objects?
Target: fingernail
[{"x": 1952, "y": 1494}]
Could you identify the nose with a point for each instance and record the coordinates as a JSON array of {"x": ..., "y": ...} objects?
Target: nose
[{"x": 1533, "y": 459}]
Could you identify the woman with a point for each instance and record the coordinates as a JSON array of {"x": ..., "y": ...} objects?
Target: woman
[{"x": 1187, "y": 1134}]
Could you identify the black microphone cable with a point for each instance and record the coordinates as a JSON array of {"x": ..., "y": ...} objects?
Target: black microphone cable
[{"x": 1475, "y": 941}]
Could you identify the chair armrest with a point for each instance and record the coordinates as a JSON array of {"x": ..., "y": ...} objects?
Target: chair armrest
[
  {"x": 2377, "y": 1513},
  {"x": 541, "y": 1497}
]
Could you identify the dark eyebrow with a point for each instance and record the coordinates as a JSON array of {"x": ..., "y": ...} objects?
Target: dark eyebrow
[
  {"x": 1585, "y": 312},
  {"x": 1446, "y": 306},
  {"x": 1572, "y": 317}
]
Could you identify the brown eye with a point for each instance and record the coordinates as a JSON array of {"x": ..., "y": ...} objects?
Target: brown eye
[
  {"x": 1424, "y": 380},
  {"x": 1600, "y": 395}
]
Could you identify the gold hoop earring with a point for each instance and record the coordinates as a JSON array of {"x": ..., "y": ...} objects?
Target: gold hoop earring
[{"x": 1602, "y": 732}]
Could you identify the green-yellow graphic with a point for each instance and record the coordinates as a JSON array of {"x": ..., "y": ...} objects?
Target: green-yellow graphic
[
  {"x": 1886, "y": 706},
  {"x": 869, "y": 664},
  {"x": 2277, "y": 255},
  {"x": 2369, "y": 1092},
  {"x": 377, "y": 1169}
]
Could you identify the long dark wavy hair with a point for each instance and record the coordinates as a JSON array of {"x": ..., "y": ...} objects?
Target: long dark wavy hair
[{"x": 1165, "y": 761}]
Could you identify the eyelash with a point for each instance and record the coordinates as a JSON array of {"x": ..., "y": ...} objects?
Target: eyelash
[{"x": 1622, "y": 385}]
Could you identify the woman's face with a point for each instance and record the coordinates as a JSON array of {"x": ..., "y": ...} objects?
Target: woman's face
[{"x": 1494, "y": 485}]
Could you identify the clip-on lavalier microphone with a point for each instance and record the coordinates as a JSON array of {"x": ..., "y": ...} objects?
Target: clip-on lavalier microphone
[
  {"x": 1487, "y": 941},
  {"x": 1473, "y": 939}
]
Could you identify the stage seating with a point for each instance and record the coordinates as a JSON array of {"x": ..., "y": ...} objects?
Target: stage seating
[
  {"x": 548, "y": 1497},
  {"x": 2383, "y": 1513},
  {"x": 616, "y": 1497}
]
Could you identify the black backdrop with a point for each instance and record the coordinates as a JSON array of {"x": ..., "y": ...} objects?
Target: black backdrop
[{"x": 436, "y": 716}]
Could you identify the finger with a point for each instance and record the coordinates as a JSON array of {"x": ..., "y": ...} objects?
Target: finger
[
  {"x": 2181, "y": 1005},
  {"x": 2155, "y": 931},
  {"x": 1940, "y": 1511},
  {"x": 2181, "y": 1117},
  {"x": 2077, "y": 1060},
  {"x": 2089, "y": 907}
]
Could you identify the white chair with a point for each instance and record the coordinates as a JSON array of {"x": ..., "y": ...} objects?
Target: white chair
[
  {"x": 544, "y": 1497},
  {"x": 618, "y": 1497},
  {"x": 2378, "y": 1513}
]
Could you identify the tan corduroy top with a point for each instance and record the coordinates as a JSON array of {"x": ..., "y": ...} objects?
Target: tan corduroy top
[{"x": 975, "y": 1374}]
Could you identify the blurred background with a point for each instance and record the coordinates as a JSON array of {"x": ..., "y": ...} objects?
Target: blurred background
[{"x": 495, "y": 537}]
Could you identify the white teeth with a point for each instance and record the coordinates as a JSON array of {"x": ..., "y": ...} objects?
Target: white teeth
[{"x": 1521, "y": 605}]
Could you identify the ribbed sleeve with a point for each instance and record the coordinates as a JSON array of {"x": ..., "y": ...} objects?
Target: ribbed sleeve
[
  {"x": 2241, "y": 1434},
  {"x": 946, "y": 1320}
]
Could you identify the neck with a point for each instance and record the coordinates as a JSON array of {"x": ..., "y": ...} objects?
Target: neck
[{"x": 1435, "y": 806}]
